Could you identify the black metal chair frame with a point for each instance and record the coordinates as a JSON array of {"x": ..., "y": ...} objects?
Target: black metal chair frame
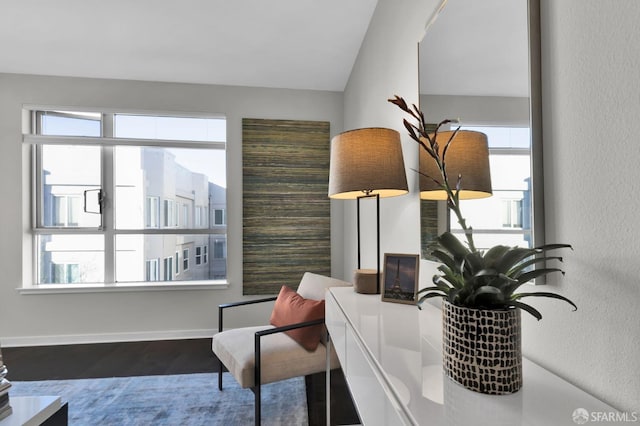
[{"x": 257, "y": 337}]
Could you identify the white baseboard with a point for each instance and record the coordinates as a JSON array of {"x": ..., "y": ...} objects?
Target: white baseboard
[{"x": 75, "y": 339}]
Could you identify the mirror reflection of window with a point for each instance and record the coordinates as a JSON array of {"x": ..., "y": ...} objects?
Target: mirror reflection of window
[{"x": 505, "y": 217}]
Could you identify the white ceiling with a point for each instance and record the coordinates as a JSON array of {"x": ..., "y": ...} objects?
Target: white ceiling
[
  {"x": 473, "y": 48},
  {"x": 299, "y": 44},
  {"x": 477, "y": 48}
]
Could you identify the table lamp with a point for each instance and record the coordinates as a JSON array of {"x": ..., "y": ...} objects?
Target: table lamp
[{"x": 367, "y": 163}]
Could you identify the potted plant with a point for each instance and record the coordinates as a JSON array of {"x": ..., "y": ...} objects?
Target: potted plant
[{"x": 481, "y": 290}]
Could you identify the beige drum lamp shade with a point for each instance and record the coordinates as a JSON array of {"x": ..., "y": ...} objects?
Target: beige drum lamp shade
[
  {"x": 467, "y": 156},
  {"x": 367, "y": 161}
]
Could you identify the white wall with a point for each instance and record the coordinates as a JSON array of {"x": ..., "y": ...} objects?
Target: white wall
[
  {"x": 591, "y": 106},
  {"x": 476, "y": 110},
  {"x": 387, "y": 65},
  {"x": 28, "y": 319}
]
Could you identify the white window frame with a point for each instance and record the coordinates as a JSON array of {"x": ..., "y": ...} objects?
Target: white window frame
[
  {"x": 176, "y": 214},
  {"x": 185, "y": 259},
  {"x": 185, "y": 216},
  {"x": 512, "y": 213},
  {"x": 107, "y": 142},
  {"x": 152, "y": 211},
  {"x": 168, "y": 269},
  {"x": 223, "y": 216},
  {"x": 219, "y": 243},
  {"x": 152, "y": 270}
]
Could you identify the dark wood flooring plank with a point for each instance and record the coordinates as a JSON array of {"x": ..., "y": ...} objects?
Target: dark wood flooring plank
[{"x": 110, "y": 360}]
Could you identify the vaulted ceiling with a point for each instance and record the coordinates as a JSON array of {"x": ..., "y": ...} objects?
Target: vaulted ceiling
[{"x": 299, "y": 44}]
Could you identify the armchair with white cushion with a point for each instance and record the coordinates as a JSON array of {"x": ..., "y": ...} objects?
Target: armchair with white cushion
[{"x": 292, "y": 345}]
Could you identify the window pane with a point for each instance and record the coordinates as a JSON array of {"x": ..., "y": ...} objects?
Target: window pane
[
  {"x": 168, "y": 269},
  {"x": 219, "y": 217},
  {"x": 171, "y": 128},
  {"x": 168, "y": 214},
  {"x": 149, "y": 177},
  {"x": 152, "y": 270},
  {"x": 151, "y": 212},
  {"x": 136, "y": 257},
  {"x": 504, "y": 137},
  {"x": 70, "y": 259},
  {"x": 67, "y": 172},
  {"x": 69, "y": 123},
  {"x": 505, "y": 217}
]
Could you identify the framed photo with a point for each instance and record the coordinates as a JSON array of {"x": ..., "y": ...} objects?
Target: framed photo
[{"x": 400, "y": 279}]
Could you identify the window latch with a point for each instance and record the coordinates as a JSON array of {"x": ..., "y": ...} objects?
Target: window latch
[{"x": 93, "y": 200}]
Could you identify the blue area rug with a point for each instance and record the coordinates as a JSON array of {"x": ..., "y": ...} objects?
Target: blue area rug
[{"x": 185, "y": 399}]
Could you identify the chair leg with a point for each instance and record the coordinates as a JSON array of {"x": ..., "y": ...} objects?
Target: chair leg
[
  {"x": 327, "y": 379},
  {"x": 219, "y": 375},
  {"x": 220, "y": 310},
  {"x": 257, "y": 378},
  {"x": 257, "y": 405}
]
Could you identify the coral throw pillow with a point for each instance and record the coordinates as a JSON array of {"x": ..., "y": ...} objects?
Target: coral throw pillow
[{"x": 291, "y": 308}]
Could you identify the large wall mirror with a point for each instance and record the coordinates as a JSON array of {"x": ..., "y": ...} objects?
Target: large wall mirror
[{"x": 479, "y": 62}]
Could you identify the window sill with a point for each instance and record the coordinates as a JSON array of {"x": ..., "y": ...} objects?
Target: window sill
[{"x": 122, "y": 287}]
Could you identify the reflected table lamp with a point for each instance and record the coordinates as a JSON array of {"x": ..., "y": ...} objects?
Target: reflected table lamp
[
  {"x": 467, "y": 157},
  {"x": 367, "y": 163}
]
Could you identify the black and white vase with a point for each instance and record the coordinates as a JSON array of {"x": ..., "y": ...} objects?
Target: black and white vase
[{"x": 482, "y": 349}]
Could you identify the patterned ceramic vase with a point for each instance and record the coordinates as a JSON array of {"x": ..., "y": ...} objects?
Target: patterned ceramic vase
[{"x": 482, "y": 348}]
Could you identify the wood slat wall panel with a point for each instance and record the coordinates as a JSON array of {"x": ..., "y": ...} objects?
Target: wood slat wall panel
[{"x": 286, "y": 210}]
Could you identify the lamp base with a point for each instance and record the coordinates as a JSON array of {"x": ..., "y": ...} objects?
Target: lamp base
[{"x": 365, "y": 281}]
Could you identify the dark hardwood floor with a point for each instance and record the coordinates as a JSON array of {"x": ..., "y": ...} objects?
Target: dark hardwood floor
[{"x": 157, "y": 358}]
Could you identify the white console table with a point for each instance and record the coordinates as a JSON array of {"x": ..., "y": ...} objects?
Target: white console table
[{"x": 391, "y": 358}]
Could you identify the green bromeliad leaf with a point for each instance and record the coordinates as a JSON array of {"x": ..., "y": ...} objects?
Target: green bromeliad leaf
[
  {"x": 528, "y": 308},
  {"x": 512, "y": 257},
  {"x": 544, "y": 294},
  {"x": 523, "y": 266},
  {"x": 445, "y": 258},
  {"x": 453, "y": 245},
  {"x": 494, "y": 254}
]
